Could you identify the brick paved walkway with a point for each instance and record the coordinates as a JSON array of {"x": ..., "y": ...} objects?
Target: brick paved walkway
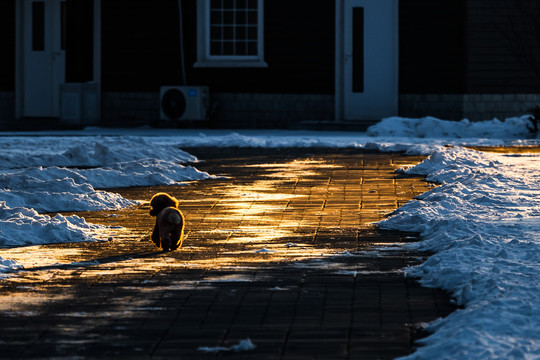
[{"x": 279, "y": 251}]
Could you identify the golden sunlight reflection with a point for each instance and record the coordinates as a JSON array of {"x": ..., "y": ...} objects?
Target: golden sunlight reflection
[{"x": 295, "y": 213}]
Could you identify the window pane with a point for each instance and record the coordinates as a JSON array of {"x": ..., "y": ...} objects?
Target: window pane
[
  {"x": 63, "y": 25},
  {"x": 216, "y": 32},
  {"x": 253, "y": 17},
  {"x": 241, "y": 17},
  {"x": 38, "y": 26},
  {"x": 216, "y": 17},
  {"x": 241, "y": 48},
  {"x": 252, "y": 48},
  {"x": 228, "y": 17},
  {"x": 234, "y": 27},
  {"x": 215, "y": 48},
  {"x": 252, "y": 33},
  {"x": 358, "y": 50},
  {"x": 228, "y": 33},
  {"x": 228, "y": 48},
  {"x": 241, "y": 33}
]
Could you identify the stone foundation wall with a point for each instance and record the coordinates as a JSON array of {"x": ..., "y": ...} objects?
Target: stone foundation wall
[
  {"x": 7, "y": 107},
  {"x": 447, "y": 106},
  {"x": 129, "y": 108},
  {"x": 227, "y": 110},
  {"x": 501, "y": 106},
  {"x": 270, "y": 110}
]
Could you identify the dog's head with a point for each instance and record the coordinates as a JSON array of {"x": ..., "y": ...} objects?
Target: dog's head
[{"x": 161, "y": 201}]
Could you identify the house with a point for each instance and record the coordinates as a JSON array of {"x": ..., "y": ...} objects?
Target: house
[{"x": 265, "y": 64}]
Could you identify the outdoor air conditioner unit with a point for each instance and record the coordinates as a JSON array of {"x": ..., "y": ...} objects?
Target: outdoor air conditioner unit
[{"x": 184, "y": 103}]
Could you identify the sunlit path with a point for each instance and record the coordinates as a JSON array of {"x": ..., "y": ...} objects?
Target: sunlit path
[{"x": 281, "y": 250}]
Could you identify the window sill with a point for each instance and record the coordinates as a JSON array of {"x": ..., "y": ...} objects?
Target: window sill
[{"x": 230, "y": 64}]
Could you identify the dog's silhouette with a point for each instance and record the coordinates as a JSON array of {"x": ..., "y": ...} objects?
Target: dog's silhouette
[{"x": 169, "y": 229}]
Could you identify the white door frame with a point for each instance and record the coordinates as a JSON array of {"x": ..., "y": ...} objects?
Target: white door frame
[
  {"x": 380, "y": 101},
  {"x": 20, "y": 35}
]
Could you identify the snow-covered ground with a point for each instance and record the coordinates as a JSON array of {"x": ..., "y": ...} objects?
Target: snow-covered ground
[
  {"x": 43, "y": 174},
  {"x": 482, "y": 223}
]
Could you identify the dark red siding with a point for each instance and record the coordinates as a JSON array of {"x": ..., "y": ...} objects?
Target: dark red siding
[
  {"x": 7, "y": 45},
  {"x": 141, "y": 48},
  {"x": 503, "y": 46},
  {"x": 432, "y": 46},
  {"x": 140, "y": 45}
]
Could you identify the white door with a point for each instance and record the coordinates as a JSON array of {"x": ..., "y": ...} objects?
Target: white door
[
  {"x": 369, "y": 66},
  {"x": 44, "y": 57}
]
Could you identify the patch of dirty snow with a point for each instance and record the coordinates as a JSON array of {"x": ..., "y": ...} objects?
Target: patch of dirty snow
[{"x": 243, "y": 345}]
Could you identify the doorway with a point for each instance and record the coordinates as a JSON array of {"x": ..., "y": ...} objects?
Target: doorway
[
  {"x": 44, "y": 61},
  {"x": 49, "y": 40},
  {"x": 366, "y": 59}
]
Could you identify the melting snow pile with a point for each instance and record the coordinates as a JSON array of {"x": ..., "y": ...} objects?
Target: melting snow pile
[
  {"x": 483, "y": 224},
  {"x": 23, "y": 226},
  {"x": 51, "y": 174},
  {"x": 82, "y": 151},
  {"x": 430, "y": 127}
]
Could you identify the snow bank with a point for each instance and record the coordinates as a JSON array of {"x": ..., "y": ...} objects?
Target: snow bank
[
  {"x": 430, "y": 127},
  {"x": 52, "y": 174},
  {"x": 83, "y": 151},
  {"x": 22, "y": 226},
  {"x": 483, "y": 224},
  {"x": 414, "y": 136},
  {"x": 55, "y": 189},
  {"x": 61, "y": 189},
  {"x": 41, "y": 229}
]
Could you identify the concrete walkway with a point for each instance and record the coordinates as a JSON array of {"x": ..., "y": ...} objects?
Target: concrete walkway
[{"x": 280, "y": 250}]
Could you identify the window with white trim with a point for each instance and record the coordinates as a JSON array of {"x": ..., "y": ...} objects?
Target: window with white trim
[{"x": 230, "y": 33}]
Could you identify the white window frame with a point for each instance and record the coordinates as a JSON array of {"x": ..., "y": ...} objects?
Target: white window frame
[{"x": 205, "y": 59}]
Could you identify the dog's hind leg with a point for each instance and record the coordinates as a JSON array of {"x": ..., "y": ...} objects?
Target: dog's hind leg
[
  {"x": 177, "y": 235},
  {"x": 166, "y": 242},
  {"x": 155, "y": 235},
  {"x": 166, "y": 235}
]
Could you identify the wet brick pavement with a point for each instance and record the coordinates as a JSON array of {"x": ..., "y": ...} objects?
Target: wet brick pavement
[{"x": 279, "y": 249}]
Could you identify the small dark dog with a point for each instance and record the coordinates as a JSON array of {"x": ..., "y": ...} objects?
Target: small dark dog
[{"x": 169, "y": 229}]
